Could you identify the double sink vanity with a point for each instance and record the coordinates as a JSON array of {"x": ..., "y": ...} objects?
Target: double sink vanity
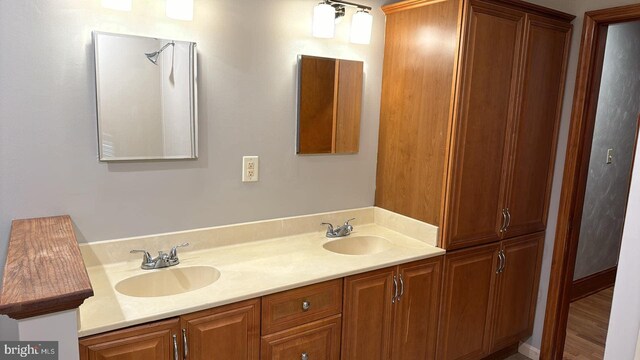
[{"x": 271, "y": 289}]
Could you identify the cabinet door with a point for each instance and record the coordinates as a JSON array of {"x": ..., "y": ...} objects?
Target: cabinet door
[
  {"x": 416, "y": 317},
  {"x": 536, "y": 133},
  {"x": 319, "y": 340},
  {"x": 517, "y": 290},
  {"x": 146, "y": 342},
  {"x": 467, "y": 300},
  {"x": 226, "y": 332},
  {"x": 486, "y": 104},
  {"x": 367, "y": 315}
]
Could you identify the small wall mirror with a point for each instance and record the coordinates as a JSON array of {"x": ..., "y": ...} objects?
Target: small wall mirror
[
  {"x": 329, "y": 105},
  {"x": 146, "y": 98}
]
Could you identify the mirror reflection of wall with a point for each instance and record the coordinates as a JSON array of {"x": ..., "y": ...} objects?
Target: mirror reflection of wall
[
  {"x": 145, "y": 98},
  {"x": 330, "y": 101}
]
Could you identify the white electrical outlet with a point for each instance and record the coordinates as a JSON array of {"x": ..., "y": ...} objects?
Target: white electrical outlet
[{"x": 250, "y": 168}]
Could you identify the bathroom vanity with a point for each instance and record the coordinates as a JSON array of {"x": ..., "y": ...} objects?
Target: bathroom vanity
[{"x": 278, "y": 292}]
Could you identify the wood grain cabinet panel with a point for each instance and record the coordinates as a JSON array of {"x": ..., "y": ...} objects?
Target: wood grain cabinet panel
[
  {"x": 420, "y": 59},
  {"x": 489, "y": 297},
  {"x": 392, "y": 313},
  {"x": 145, "y": 342},
  {"x": 480, "y": 147},
  {"x": 226, "y": 332},
  {"x": 367, "y": 315},
  {"x": 302, "y": 305},
  {"x": 318, "y": 340},
  {"x": 517, "y": 290},
  {"x": 467, "y": 300},
  {"x": 471, "y": 99},
  {"x": 415, "y": 326},
  {"x": 536, "y": 134}
]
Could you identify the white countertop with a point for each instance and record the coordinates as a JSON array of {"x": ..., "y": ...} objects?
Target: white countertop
[{"x": 247, "y": 270}]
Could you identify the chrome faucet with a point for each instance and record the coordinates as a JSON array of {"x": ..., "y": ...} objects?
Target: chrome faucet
[
  {"x": 162, "y": 260},
  {"x": 341, "y": 231}
]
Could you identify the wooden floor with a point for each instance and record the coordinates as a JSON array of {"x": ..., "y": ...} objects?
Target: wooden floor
[{"x": 587, "y": 327}]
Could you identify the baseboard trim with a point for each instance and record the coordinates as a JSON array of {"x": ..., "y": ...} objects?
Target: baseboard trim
[
  {"x": 529, "y": 351},
  {"x": 593, "y": 283}
]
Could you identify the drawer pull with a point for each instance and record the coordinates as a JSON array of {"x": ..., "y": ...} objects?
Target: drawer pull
[
  {"x": 306, "y": 305},
  {"x": 304, "y": 356}
]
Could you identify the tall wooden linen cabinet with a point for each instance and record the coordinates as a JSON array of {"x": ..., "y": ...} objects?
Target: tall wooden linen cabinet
[{"x": 471, "y": 103}]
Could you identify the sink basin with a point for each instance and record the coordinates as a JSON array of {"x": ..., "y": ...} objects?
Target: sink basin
[
  {"x": 358, "y": 245},
  {"x": 168, "y": 281}
]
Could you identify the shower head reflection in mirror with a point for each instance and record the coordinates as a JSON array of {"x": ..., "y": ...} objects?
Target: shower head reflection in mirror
[
  {"x": 145, "y": 112},
  {"x": 153, "y": 57}
]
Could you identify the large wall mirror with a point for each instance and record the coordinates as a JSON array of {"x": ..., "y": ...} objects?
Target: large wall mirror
[
  {"x": 146, "y": 98},
  {"x": 329, "y": 105}
]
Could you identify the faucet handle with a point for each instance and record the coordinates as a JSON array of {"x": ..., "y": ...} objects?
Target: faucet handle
[
  {"x": 174, "y": 250},
  {"x": 330, "y": 227},
  {"x": 347, "y": 222},
  {"x": 146, "y": 257}
]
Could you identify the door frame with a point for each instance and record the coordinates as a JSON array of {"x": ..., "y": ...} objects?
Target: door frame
[{"x": 575, "y": 173}]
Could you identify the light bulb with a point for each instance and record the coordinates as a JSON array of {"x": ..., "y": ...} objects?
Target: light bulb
[
  {"x": 180, "y": 9},
  {"x": 361, "y": 24},
  {"x": 324, "y": 17}
]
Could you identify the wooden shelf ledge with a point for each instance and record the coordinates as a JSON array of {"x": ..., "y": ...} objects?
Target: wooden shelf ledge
[{"x": 44, "y": 272}]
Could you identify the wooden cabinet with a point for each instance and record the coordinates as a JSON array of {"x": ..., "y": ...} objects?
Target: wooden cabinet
[
  {"x": 488, "y": 298},
  {"x": 302, "y": 305},
  {"x": 156, "y": 341},
  {"x": 368, "y": 315},
  {"x": 392, "y": 312},
  {"x": 467, "y": 300},
  {"x": 471, "y": 100},
  {"x": 416, "y": 311},
  {"x": 318, "y": 340},
  {"x": 303, "y": 323},
  {"x": 226, "y": 332},
  {"x": 536, "y": 131},
  {"x": 517, "y": 290},
  {"x": 479, "y": 158}
]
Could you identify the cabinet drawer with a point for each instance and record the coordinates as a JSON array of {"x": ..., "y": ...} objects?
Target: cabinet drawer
[
  {"x": 298, "y": 306},
  {"x": 318, "y": 340}
]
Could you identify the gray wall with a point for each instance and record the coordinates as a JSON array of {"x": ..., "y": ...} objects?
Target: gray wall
[
  {"x": 247, "y": 106},
  {"x": 616, "y": 121}
]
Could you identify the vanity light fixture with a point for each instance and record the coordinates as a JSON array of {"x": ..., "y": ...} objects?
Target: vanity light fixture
[
  {"x": 122, "y": 5},
  {"x": 324, "y": 20},
  {"x": 180, "y": 9},
  {"x": 328, "y": 12},
  {"x": 361, "y": 24}
]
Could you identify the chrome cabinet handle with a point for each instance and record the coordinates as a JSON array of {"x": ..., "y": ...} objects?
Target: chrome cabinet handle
[
  {"x": 306, "y": 305},
  {"x": 508, "y": 220},
  {"x": 185, "y": 347},
  {"x": 304, "y": 356},
  {"x": 503, "y": 227},
  {"x": 175, "y": 347},
  {"x": 401, "y": 287},
  {"x": 500, "y": 262},
  {"x": 395, "y": 290},
  {"x": 504, "y": 261}
]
